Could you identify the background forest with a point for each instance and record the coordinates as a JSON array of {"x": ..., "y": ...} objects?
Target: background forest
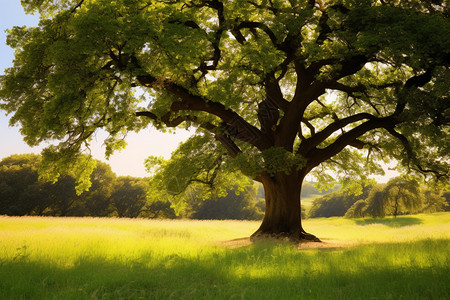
[{"x": 22, "y": 193}]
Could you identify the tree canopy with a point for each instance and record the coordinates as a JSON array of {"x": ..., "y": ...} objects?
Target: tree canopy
[
  {"x": 22, "y": 193},
  {"x": 274, "y": 89},
  {"x": 400, "y": 195}
]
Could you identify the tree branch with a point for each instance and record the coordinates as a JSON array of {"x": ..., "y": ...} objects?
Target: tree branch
[
  {"x": 310, "y": 126},
  {"x": 77, "y": 6},
  {"x": 274, "y": 93},
  {"x": 350, "y": 66},
  {"x": 358, "y": 144},
  {"x": 166, "y": 119},
  {"x": 350, "y": 90},
  {"x": 410, "y": 153},
  {"x": 413, "y": 82},
  {"x": 316, "y": 156},
  {"x": 231, "y": 147},
  {"x": 263, "y": 27},
  {"x": 241, "y": 129},
  {"x": 321, "y": 136},
  {"x": 215, "y": 41},
  {"x": 308, "y": 89},
  {"x": 420, "y": 80}
]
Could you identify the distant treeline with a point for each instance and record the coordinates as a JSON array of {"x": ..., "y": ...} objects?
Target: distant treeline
[
  {"x": 397, "y": 197},
  {"x": 22, "y": 193}
]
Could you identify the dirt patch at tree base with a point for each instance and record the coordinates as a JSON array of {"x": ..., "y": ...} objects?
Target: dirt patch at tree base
[{"x": 305, "y": 245}]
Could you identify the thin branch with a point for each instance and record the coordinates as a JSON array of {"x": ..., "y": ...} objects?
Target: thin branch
[
  {"x": 310, "y": 126},
  {"x": 410, "y": 153},
  {"x": 77, "y": 6},
  {"x": 413, "y": 82},
  {"x": 283, "y": 67}
]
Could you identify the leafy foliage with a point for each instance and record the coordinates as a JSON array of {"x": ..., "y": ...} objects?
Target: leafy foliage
[
  {"x": 22, "y": 193},
  {"x": 234, "y": 205},
  {"x": 399, "y": 196},
  {"x": 159, "y": 209},
  {"x": 275, "y": 90},
  {"x": 128, "y": 197},
  {"x": 336, "y": 203},
  {"x": 18, "y": 188}
]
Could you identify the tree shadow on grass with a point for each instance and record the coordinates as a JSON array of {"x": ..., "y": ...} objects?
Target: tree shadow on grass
[
  {"x": 265, "y": 271},
  {"x": 391, "y": 221}
]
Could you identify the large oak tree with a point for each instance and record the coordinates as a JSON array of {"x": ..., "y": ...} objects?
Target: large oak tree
[{"x": 275, "y": 88}]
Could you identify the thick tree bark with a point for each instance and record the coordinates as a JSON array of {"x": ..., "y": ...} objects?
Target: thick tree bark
[{"x": 282, "y": 219}]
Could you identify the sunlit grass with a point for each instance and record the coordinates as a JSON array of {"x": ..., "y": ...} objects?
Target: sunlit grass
[
  {"x": 307, "y": 202},
  {"x": 386, "y": 230},
  {"x": 62, "y": 241},
  {"x": 93, "y": 258}
]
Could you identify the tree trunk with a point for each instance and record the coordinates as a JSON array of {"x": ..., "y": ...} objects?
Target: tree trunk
[{"x": 282, "y": 219}]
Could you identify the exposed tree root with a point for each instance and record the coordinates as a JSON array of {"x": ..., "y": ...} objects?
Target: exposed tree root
[{"x": 294, "y": 237}]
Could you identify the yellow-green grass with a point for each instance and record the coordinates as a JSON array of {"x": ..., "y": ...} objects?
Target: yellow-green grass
[
  {"x": 307, "y": 202},
  {"x": 94, "y": 258}
]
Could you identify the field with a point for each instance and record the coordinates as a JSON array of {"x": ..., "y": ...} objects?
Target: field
[
  {"x": 94, "y": 258},
  {"x": 307, "y": 202}
]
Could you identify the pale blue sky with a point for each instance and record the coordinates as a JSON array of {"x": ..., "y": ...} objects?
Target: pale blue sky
[{"x": 127, "y": 162}]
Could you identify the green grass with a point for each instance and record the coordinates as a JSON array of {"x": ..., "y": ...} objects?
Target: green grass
[
  {"x": 89, "y": 258},
  {"x": 307, "y": 202}
]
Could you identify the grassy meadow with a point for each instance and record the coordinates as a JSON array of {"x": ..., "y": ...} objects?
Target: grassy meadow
[
  {"x": 95, "y": 258},
  {"x": 307, "y": 202}
]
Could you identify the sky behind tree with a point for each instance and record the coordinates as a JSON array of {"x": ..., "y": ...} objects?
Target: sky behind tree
[{"x": 129, "y": 161}]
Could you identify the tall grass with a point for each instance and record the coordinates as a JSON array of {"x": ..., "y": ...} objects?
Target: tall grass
[{"x": 89, "y": 258}]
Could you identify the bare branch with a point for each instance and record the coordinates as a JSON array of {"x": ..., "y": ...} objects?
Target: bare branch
[
  {"x": 77, "y": 6},
  {"x": 345, "y": 88},
  {"x": 263, "y": 27},
  {"x": 310, "y": 126},
  {"x": 321, "y": 136},
  {"x": 231, "y": 147},
  {"x": 358, "y": 144},
  {"x": 316, "y": 156}
]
